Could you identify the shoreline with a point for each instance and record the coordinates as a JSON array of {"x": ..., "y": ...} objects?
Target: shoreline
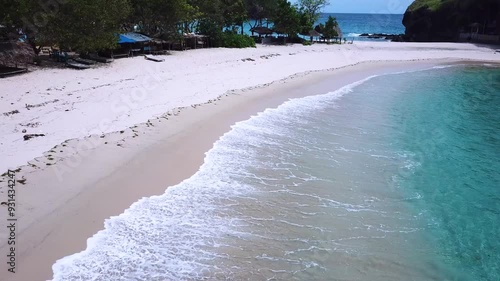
[
  {"x": 63, "y": 104},
  {"x": 139, "y": 157}
]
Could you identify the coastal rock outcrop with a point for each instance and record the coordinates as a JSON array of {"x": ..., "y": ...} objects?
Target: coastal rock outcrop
[
  {"x": 443, "y": 20},
  {"x": 391, "y": 37}
]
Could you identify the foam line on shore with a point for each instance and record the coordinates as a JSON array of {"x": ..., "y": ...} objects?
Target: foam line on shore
[
  {"x": 185, "y": 212},
  {"x": 185, "y": 215}
]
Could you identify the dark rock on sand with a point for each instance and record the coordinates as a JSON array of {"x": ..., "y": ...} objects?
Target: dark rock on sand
[{"x": 30, "y": 136}]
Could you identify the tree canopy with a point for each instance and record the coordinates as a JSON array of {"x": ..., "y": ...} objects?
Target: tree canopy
[
  {"x": 286, "y": 19},
  {"x": 96, "y": 28},
  {"x": 312, "y": 9},
  {"x": 260, "y": 10},
  {"x": 160, "y": 17},
  {"x": 329, "y": 29},
  {"x": 84, "y": 25},
  {"x": 93, "y": 25}
]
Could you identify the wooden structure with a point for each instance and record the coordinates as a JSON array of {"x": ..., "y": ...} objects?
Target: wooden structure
[
  {"x": 132, "y": 44},
  {"x": 195, "y": 41},
  {"x": 158, "y": 47},
  {"x": 262, "y": 30},
  {"x": 15, "y": 57},
  {"x": 313, "y": 33}
]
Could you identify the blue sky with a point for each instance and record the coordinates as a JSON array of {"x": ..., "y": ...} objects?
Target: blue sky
[{"x": 368, "y": 6}]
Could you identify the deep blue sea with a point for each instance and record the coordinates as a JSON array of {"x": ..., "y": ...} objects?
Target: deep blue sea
[
  {"x": 396, "y": 177},
  {"x": 353, "y": 25}
]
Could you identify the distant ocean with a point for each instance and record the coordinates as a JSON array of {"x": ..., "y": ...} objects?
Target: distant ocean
[
  {"x": 370, "y": 182},
  {"x": 353, "y": 25}
]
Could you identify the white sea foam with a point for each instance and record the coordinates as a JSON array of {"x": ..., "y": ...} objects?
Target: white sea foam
[
  {"x": 170, "y": 237},
  {"x": 444, "y": 66}
]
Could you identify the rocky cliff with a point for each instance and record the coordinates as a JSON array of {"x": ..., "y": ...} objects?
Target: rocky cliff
[{"x": 442, "y": 20}]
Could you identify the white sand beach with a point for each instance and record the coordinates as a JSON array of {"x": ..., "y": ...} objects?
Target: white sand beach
[
  {"x": 66, "y": 104},
  {"x": 116, "y": 133}
]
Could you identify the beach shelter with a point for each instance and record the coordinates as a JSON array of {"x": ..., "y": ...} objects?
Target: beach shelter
[
  {"x": 158, "y": 46},
  {"x": 339, "y": 31},
  {"x": 262, "y": 30},
  {"x": 195, "y": 40},
  {"x": 132, "y": 38},
  {"x": 340, "y": 34},
  {"x": 313, "y": 33},
  {"x": 132, "y": 43}
]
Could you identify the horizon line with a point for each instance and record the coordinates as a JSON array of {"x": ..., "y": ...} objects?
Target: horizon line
[{"x": 361, "y": 13}]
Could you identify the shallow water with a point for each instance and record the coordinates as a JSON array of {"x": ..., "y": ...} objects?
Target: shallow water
[
  {"x": 451, "y": 124},
  {"x": 393, "y": 178}
]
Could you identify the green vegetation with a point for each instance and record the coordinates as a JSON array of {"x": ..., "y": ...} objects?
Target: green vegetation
[
  {"x": 329, "y": 29},
  {"x": 286, "y": 19},
  {"x": 463, "y": 5},
  {"x": 82, "y": 25},
  {"x": 260, "y": 10},
  {"x": 443, "y": 20},
  {"x": 233, "y": 40},
  {"x": 97, "y": 32},
  {"x": 155, "y": 17},
  {"x": 431, "y": 4},
  {"x": 94, "y": 25},
  {"x": 312, "y": 9}
]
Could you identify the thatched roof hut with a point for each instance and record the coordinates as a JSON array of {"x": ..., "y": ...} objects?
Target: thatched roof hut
[
  {"x": 16, "y": 53},
  {"x": 339, "y": 31},
  {"x": 262, "y": 30},
  {"x": 314, "y": 33}
]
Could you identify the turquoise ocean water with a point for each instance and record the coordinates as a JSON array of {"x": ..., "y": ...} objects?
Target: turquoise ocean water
[{"x": 370, "y": 182}]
